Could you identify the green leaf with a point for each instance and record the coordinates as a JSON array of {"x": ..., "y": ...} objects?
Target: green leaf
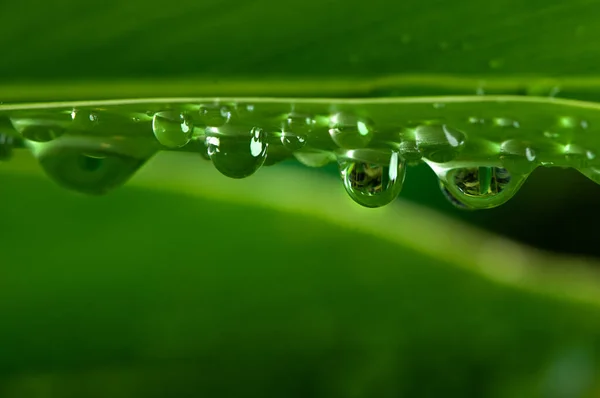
[{"x": 285, "y": 293}]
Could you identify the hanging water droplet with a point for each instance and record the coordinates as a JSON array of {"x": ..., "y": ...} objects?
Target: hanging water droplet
[
  {"x": 439, "y": 143},
  {"x": 235, "y": 154},
  {"x": 86, "y": 165},
  {"x": 295, "y": 130},
  {"x": 349, "y": 131},
  {"x": 214, "y": 115},
  {"x": 42, "y": 128},
  {"x": 409, "y": 151},
  {"x": 314, "y": 157},
  {"x": 372, "y": 177},
  {"x": 172, "y": 129},
  {"x": 6, "y": 146},
  {"x": 292, "y": 142},
  {"x": 479, "y": 187},
  {"x": 517, "y": 156}
]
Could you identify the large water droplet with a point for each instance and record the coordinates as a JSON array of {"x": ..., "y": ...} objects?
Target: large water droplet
[
  {"x": 480, "y": 187},
  {"x": 349, "y": 131},
  {"x": 215, "y": 115},
  {"x": 172, "y": 129},
  {"x": 234, "y": 153},
  {"x": 372, "y": 177},
  {"x": 439, "y": 143},
  {"x": 42, "y": 128},
  {"x": 85, "y": 165}
]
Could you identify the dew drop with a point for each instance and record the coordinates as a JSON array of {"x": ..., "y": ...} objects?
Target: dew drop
[
  {"x": 234, "y": 153},
  {"x": 550, "y": 134},
  {"x": 83, "y": 119},
  {"x": 479, "y": 187},
  {"x": 506, "y": 122},
  {"x": 214, "y": 115},
  {"x": 517, "y": 156},
  {"x": 372, "y": 177},
  {"x": 439, "y": 143},
  {"x": 409, "y": 151},
  {"x": 576, "y": 156},
  {"x": 292, "y": 142},
  {"x": 42, "y": 128},
  {"x": 314, "y": 157},
  {"x": 295, "y": 130},
  {"x": 349, "y": 131},
  {"x": 85, "y": 165},
  {"x": 172, "y": 129}
]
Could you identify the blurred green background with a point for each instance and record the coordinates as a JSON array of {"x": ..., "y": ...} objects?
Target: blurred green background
[{"x": 184, "y": 283}]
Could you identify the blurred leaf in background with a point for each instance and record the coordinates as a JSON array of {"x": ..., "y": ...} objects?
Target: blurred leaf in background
[{"x": 187, "y": 284}]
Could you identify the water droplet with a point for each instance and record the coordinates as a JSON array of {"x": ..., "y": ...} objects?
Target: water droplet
[
  {"x": 234, "y": 153},
  {"x": 439, "y": 143},
  {"x": 439, "y": 105},
  {"x": 86, "y": 166},
  {"x": 42, "y": 128},
  {"x": 172, "y": 129},
  {"x": 372, "y": 177},
  {"x": 314, "y": 157},
  {"x": 480, "y": 91},
  {"x": 83, "y": 119},
  {"x": 476, "y": 120},
  {"x": 551, "y": 135},
  {"x": 479, "y": 187},
  {"x": 349, "y": 131},
  {"x": 295, "y": 130},
  {"x": 215, "y": 115},
  {"x": 409, "y": 151},
  {"x": 517, "y": 156},
  {"x": 6, "y": 146},
  {"x": 292, "y": 142},
  {"x": 576, "y": 156},
  {"x": 506, "y": 122}
]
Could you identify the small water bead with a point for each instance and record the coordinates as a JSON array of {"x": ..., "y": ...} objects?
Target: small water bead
[
  {"x": 314, "y": 157},
  {"x": 214, "y": 115},
  {"x": 506, "y": 122},
  {"x": 576, "y": 155},
  {"x": 479, "y": 187},
  {"x": 172, "y": 129},
  {"x": 292, "y": 142},
  {"x": 295, "y": 130},
  {"x": 372, "y": 177},
  {"x": 42, "y": 128},
  {"x": 235, "y": 153},
  {"x": 84, "y": 119},
  {"x": 439, "y": 143},
  {"x": 518, "y": 156},
  {"x": 86, "y": 166},
  {"x": 349, "y": 131}
]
